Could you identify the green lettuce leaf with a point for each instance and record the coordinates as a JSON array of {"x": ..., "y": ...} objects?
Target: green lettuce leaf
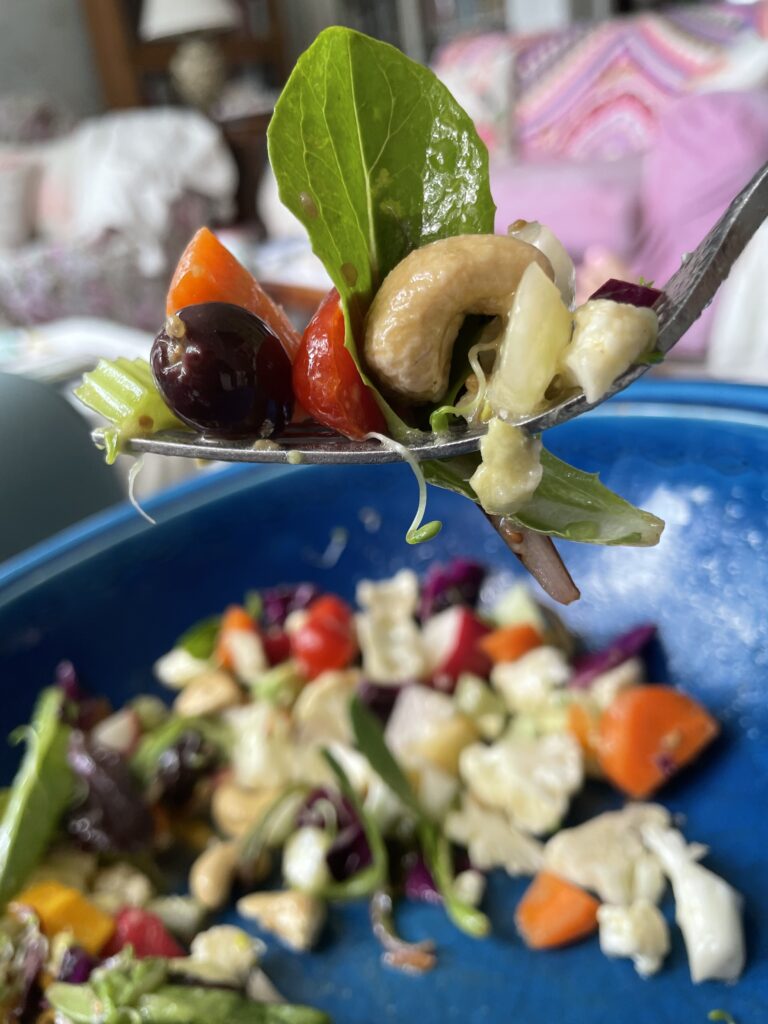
[
  {"x": 41, "y": 792},
  {"x": 375, "y": 157},
  {"x": 568, "y": 503}
]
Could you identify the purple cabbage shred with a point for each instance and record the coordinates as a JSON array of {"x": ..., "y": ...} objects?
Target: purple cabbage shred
[
  {"x": 279, "y": 602},
  {"x": 111, "y": 815},
  {"x": 586, "y": 667},
  {"x": 458, "y": 582},
  {"x": 380, "y": 697},
  {"x": 76, "y": 966},
  {"x": 349, "y": 852},
  {"x": 627, "y": 291}
]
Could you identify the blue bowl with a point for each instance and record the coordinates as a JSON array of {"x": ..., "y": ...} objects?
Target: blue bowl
[{"x": 113, "y": 594}]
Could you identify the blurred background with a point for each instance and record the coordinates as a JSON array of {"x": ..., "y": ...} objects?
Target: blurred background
[{"x": 626, "y": 126}]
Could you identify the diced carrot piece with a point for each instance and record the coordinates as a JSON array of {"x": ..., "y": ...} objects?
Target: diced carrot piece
[
  {"x": 555, "y": 913},
  {"x": 510, "y": 642},
  {"x": 62, "y": 909},
  {"x": 585, "y": 726},
  {"x": 234, "y": 619},
  {"x": 649, "y": 733},
  {"x": 208, "y": 272}
]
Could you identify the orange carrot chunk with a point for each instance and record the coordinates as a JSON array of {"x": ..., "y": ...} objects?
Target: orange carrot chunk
[
  {"x": 510, "y": 642},
  {"x": 648, "y": 733},
  {"x": 235, "y": 619},
  {"x": 208, "y": 272},
  {"x": 555, "y": 913}
]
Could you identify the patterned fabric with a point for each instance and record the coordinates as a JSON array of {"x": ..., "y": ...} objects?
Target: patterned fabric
[
  {"x": 597, "y": 91},
  {"x": 479, "y": 71}
]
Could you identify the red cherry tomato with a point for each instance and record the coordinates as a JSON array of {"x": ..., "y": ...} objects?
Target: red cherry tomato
[
  {"x": 327, "y": 639},
  {"x": 145, "y": 932},
  {"x": 326, "y": 381}
]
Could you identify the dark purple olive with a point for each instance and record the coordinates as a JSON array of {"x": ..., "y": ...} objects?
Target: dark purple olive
[
  {"x": 180, "y": 766},
  {"x": 458, "y": 582},
  {"x": 349, "y": 851},
  {"x": 223, "y": 371},
  {"x": 626, "y": 291}
]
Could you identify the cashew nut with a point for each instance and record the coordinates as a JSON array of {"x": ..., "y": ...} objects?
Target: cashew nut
[
  {"x": 212, "y": 875},
  {"x": 235, "y": 809},
  {"x": 295, "y": 917},
  {"x": 208, "y": 694},
  {"x": 418, "y": 310}
]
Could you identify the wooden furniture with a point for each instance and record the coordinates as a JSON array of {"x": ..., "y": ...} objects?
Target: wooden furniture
[{"x": 126, "y": 64}]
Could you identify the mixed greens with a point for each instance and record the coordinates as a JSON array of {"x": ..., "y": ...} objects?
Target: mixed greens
[{"x": 316, "y": 753}]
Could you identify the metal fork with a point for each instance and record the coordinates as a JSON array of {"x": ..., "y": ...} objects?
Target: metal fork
[{"x": 685, "y": 297}]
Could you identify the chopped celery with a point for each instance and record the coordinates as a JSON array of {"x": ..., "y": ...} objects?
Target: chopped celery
[{"x": 123, "y": 392}]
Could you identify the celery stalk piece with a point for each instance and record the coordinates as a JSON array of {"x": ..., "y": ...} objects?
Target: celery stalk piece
[{"x": 124, "y": 392}]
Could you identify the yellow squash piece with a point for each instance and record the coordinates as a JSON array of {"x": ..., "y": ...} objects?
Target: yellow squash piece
[{"x": 61, "y": 909}]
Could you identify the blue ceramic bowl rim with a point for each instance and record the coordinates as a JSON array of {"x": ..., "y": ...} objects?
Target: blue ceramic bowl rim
[{"x": 122, "y": 521}]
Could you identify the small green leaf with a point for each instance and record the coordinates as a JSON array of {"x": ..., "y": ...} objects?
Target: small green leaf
[
  {"x": 40, "y": 793},
  {"x": 574, "y": 505},
  {"x": 369, "y": 739},
  {"x": 652, "y": 358},
  {"x": 254, "y": 604},
  {"x": 425, "y": 532},
  {"x": 439, "y": 859},
  {"x": 373, "y": 877},
  {"x": 261, "y": 837},
  {"x": 200, "y": 640},
  {"x": 721, "y": 1015},
  {"x": 181, "y": 1004}
]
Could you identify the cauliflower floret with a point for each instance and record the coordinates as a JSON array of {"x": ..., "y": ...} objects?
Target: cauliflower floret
[
  {"x": 530, "y": 779},
  {"x": 322, "y": 710},
  {"x": 263, "y": 750},
  {"x": 474, "y": 698},
  {"x": 607, "y": 338},
  {"x": 178, "y": 667},
  {"x": 606, "y": 687},
  {"x": 491, "y": 841},
  {"x": 232, "y": 952},
  {"x": 294, "y": 917},
  {"x": 469, "y": 887},
  {"x": 304, "y": 860},
  {"x": 707, "y": 908},
  {"x": 510, "y": 471},
  {"x": 389, "y": 638},
  {"x": 121, "y": 885},
  {"x": 249, "y": 662},
  {"x": 526, "y": 684},
  {"x": 638, "y": 931},
  {"x": 436, "y": 791},
  {"x": 426, "y": 727},
  {"x": 608, "y": 856}
]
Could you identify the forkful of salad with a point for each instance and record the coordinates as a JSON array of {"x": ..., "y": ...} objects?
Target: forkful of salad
[{"x": 441, "y": 343}]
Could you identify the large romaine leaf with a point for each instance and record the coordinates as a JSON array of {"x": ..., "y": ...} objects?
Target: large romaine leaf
[
  {"x": 376, "y": 158},
  {"x": 39, "y": 796},
  {"x": 568, "y": 503}
]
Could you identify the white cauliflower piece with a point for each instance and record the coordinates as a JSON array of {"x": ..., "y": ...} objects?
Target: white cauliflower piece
[
  {"x": 389, "y": 637},
  {"x": 178, "y": 667},
  {"x": 304, "y": 865},
  {"x": 231, "y": 951},
  {"x": 607, "y": 338},
  {"x": 607, "y": 855},
  {"x": 638, "y": 931},
  {"x": 121, "y": 885},
  {"x": 707, "y": 908},
  {"x": 426, "y": 727},
  {"x": 606, "y": 687},
  {"x": 263, "y": 750},
  {"x": 469, "y": 887},
  {"x": 249, "y": 662},
  {"x": 321, "y": 710},
  {"x": 530, "y": 779},
  {"x": 294, "y": 917},
  {"x": 491, "y": 841},
  {"x": 528, "y": 683},
  {"x": 474, "y": 698},
  {"x": 436, "y": 791},
  {"x": 510, "y": 471}
]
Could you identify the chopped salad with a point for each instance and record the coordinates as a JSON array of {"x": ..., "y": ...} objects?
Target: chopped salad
[
  {"x": 434, "y": 322},
  {"x": 314, "y": 752}
]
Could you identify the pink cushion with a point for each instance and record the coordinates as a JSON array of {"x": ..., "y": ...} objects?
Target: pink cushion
[
  {"x": 585, "y": 204},
  {"x": 708, "y": 147}
]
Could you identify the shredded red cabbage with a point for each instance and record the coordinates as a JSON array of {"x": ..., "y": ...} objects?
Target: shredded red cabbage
[
  {"x": 380, "y": 697},
  {"x": 76, "y": 966},
  {"x": 279, "y": 602},
  {"x": 626, "y": 291},
  {"x": 329, "y": 810},
  {"x": 458, "y": 582},
  {"x": 586, "y": 667}
]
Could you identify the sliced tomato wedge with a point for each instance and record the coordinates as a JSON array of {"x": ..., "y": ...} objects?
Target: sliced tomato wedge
[
  {"x": 325, "y": 379},
  {"x": 327, "y": 639}
]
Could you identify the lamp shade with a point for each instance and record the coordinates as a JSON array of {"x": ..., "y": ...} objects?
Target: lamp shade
[{"x": 163, "y": 19}]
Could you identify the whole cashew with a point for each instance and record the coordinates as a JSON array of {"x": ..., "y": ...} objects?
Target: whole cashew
[
  {"x": 416, "y": 314},
  {"x": 212, "y": 874}
]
